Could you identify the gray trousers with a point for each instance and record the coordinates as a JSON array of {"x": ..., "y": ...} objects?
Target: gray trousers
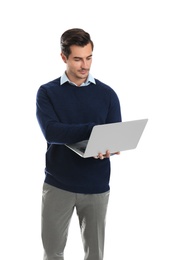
[{"x": 57, "y": 209}]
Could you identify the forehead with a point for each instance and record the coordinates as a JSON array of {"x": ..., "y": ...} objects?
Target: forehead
[{"x": 79, "y": 51}]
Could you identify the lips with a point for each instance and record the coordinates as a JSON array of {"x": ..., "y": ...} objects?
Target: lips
[{"x": 83, "y": 71}]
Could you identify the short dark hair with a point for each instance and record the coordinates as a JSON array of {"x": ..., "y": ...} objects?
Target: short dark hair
[{"x": 74, "y": 36}]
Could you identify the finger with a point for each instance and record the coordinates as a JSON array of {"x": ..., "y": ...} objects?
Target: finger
[
  {"x": 101, "y": 156},
  {"x": 107, "y": 154},
  {"x": 115, "y": 153}
]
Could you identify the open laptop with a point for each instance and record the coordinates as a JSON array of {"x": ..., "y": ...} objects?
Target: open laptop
[{"x": 114, "y": 137}]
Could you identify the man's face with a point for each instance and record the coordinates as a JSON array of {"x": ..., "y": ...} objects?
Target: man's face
[{"x": 78, "y": 63}]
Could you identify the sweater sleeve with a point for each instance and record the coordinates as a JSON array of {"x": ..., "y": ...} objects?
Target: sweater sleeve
[
  {"x": 54, "y": 131},
  {"x": 114, "y": 112}
]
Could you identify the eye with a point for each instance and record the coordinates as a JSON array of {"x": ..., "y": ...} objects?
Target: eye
[
  {"x": 89, "y": 58},
  {"x": 77, "y": 59}
]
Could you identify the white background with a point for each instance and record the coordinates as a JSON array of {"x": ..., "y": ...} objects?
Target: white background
[{"x": 134, "y": 55}]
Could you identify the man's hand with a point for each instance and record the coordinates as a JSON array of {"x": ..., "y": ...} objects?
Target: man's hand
[{"x": 103, "y": 156}]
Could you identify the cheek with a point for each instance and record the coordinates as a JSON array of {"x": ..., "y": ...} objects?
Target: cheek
[
  {"x": 75, "y": 65},
  {"x": 89, "y": 63}
]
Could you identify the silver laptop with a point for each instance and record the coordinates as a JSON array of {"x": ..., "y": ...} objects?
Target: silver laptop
[{"x": 114, "y": 137}]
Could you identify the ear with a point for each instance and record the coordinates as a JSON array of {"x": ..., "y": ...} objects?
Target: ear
[{"x": 64, "y": 58}]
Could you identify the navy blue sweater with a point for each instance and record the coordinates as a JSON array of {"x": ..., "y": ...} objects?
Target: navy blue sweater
[{"x": 67, "y": 114}]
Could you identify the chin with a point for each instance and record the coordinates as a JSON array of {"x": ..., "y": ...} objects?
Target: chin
[{"x": 84, "y": 76}]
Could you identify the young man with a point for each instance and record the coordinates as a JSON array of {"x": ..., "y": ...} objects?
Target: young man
[{"x": 67, "y": 109}]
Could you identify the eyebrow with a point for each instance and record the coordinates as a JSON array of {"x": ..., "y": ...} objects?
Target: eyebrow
[{"x": 81, "y": 57}]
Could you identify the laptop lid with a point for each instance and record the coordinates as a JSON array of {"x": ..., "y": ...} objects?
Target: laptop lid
[{"x": 114, "y": 137}]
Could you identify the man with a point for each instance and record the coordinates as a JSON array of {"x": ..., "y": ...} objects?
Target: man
[{"x": 67, "y": 109}]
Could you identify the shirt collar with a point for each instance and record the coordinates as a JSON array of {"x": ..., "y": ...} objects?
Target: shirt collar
[{"x": 89, "y": 80}]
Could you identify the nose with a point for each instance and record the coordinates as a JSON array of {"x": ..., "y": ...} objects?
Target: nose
[{"x": 84, "y": 64}]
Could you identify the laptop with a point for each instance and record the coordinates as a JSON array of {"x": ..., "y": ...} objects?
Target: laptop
[{"x": 115, "y": 137}]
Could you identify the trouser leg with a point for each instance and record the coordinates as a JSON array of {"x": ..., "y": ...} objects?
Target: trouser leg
[
  {"x": 57, "y": 209},
  {"x": 91, "y": 210}
]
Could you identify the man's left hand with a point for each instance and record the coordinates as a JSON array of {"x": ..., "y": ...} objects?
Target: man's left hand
[{"x": 107, "y": 155}]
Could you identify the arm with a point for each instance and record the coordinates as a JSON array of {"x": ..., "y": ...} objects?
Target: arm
[
  {"x": 114, "y": 116},
  {"x": 114, "y": 113},
  {"x": 54, "y": 131}
]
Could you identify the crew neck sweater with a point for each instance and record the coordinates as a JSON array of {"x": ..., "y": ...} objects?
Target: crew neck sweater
[{"x": 66, "y": 114}]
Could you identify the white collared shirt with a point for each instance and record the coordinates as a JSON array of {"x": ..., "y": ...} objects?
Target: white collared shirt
[{"x": 89, "y": 80}]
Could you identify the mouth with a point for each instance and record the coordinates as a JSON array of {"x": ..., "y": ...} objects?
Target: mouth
[{"x": 83, "y": 72}]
